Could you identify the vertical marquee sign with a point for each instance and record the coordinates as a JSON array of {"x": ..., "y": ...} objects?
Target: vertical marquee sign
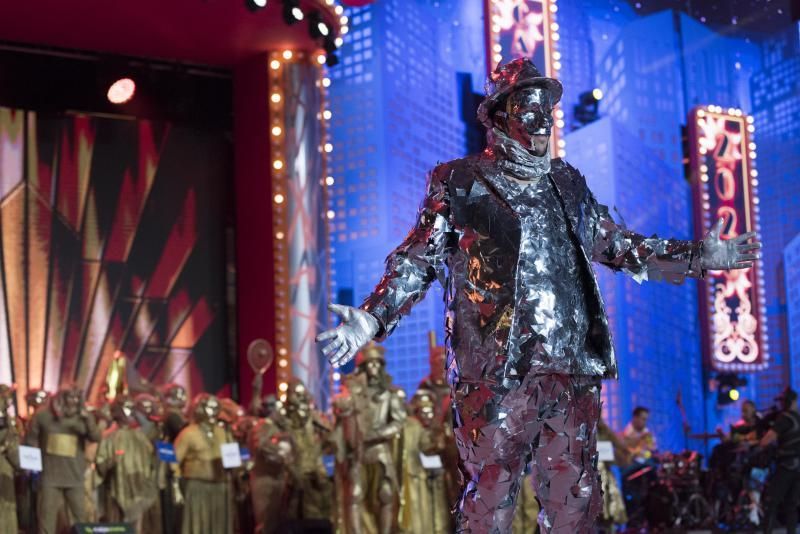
[
  {"x": 526, "y": 28},
  {"x": 725, "y": 185}
]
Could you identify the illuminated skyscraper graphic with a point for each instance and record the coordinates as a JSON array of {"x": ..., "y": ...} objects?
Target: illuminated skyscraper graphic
[
  {"x": 791, "y": 259},
  {"x": 655, "y": 334},
  {"x": 396, "y": 113},
  {"x": 776, "y": 109},
  {"x": 653, "y": 70}
]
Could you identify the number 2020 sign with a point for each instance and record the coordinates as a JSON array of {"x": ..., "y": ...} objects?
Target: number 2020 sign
[{"x": 725, "y": 184}]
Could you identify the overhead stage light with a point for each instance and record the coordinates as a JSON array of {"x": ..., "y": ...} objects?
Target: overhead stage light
[
  {"x": 292, "y": 14},
  {"x": 121, "y": 91},
  {"x": 317, "y": 27},
  {"x": 729, "y": 388},
  {"x": 255, "y": 5},
  {"x": 587, "y": 109}
]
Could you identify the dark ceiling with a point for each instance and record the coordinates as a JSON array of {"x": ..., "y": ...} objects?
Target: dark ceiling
[
  {"x": 211, "y": 32},
  {"x": 737, "y": 16}
]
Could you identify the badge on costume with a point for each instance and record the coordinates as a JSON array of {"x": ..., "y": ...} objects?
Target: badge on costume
[
  {"x": 30, "y": 458},
  {"x": 433, "y": 461},
  {"x": 605, "y": 451},
  {"x": 231, "y": 455}
]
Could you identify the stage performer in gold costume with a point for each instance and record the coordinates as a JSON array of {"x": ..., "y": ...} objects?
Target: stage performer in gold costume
[
  {"x": 270, "y": 479},
  {"x": 371, "y": 418},
  {"x": 62, "y": 429},
  {"x": 436, "y": 383},
  {"x": 424, "y": 508},
  {"x": 126, "y": 462},
  {"x": 9, "y": 463},
  {"x": 311, "y": 488},
  {"x": 613, "y": 512},
  {"x": 149, "y": 414},
  {"x": 207, "y": 492}
]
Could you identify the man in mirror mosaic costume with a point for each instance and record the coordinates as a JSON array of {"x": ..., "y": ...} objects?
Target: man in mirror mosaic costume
[{"x": 510, "y": 234}]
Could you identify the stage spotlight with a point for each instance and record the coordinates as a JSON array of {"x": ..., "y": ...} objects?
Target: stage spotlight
[
  {"x": 587, "y": 109},
  {"x": 121, "y": 91},
  {"x": 292, "y": 14},
  {"x": 729, "y": 385},
  {"x": 255, "y": 5},
  {"x": 317, "y": 27}
]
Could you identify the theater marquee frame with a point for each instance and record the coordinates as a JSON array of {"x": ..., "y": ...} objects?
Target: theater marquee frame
[
  {"x": 526, "y": 28},
  {"x": 722, "y": 157}
]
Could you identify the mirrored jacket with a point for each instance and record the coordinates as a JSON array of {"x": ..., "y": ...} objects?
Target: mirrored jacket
[{"x": 468, "y": 237}]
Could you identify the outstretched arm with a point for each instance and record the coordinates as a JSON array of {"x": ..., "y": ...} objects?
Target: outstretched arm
[
  {"x": 417, "y": 262},
  {"x": 410, "y": 270},
  {"x": 655, "y": 258}
]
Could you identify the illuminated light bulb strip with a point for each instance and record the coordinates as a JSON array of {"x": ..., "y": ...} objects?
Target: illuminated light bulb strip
[
  {"x": 280, "y": 184},
  {"x": 327, "y": 181},
  {"x": 277, "y": 128},
  {"x": 500, "y": 19},
  {"x": 736, "y": 191}
]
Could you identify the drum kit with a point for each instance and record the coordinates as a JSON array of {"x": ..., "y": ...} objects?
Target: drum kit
[{"x": 669, "y": 492}]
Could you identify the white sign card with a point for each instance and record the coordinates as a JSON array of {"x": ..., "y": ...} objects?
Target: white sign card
[
  {"x": 605, "y": 451},
  {"x": 231, "y": 455},
  {"x": 431, "y": 462},
  {"x": 30, "y": 458}
]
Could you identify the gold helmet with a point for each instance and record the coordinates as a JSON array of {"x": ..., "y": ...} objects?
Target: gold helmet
[{"x": 371, "y": 352}]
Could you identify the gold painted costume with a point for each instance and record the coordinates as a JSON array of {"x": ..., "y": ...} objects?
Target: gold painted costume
[
  {"x": 436, "y": 384},
  {"x": 207, "y": 492},
  {"x": 273, "y": 455},
  {"x": 62, "y": 430},
  {"x": 371, "y": 418},
  {"x": 614, "y": 511},
  {"x": 9, "y": 463},
  {"x": 126, "y": 462},
  {"x": 424, "y": 508},
  {"x": 311, "y": 489}
]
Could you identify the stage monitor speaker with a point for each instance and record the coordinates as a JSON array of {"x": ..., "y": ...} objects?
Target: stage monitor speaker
[
  {"x": 103, "y": 528},
  {"x": 306, "y": 526}
]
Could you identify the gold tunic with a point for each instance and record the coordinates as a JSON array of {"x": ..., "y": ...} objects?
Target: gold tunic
[
  {"x": 208, "y": 497},
  {"x": 311, "y": 495},
  {"x": 199, "y": 454},
  {"x": 9, "y": 462},
  {"x": 613, "y": 501},
  {"x": 367, "y": 477},
  {"x": 444, "y": 417},
  {"x": 63, "y": 442},
  {"x": 423, "y": 498},
  {"x": 273, "y": 455},
  {"x": 126, "y": 461}
]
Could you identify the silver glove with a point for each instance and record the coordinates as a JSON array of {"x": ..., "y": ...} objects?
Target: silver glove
[
  {"x": 356, "y": 330},
  {"x": 727, "y": 254}
]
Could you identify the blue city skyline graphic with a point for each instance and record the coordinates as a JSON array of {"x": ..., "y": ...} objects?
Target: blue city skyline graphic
[{"x": 403, "y": 99}]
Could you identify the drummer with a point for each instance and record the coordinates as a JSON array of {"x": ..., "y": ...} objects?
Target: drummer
[
  {"x": 638, "y": 438},
  {"x": 749, "y": 429}
]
